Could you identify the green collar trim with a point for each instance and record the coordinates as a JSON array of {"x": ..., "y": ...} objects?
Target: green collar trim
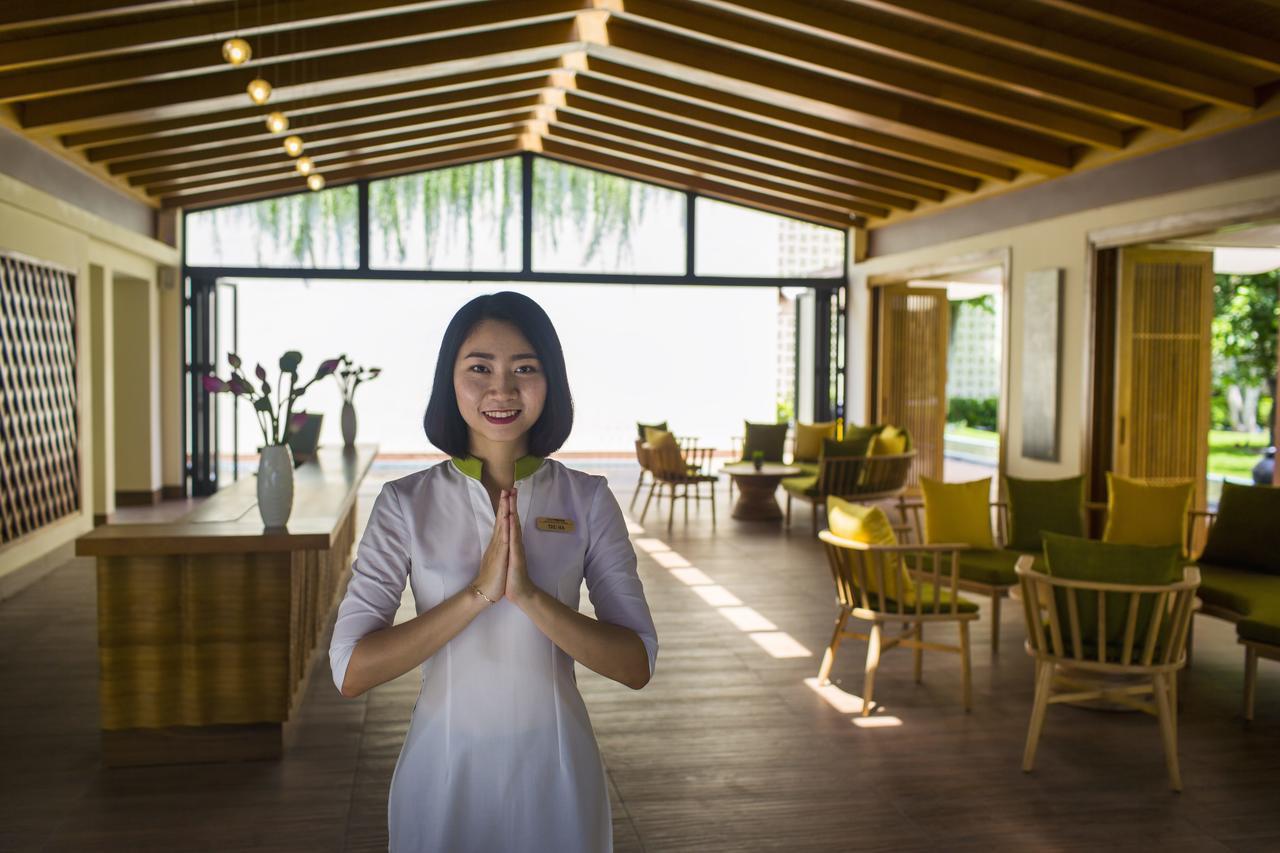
[{"x": 471, "y": 466}]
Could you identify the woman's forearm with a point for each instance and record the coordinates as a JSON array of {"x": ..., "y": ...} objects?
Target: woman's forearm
[
  {"x": 391, "y": 652},
  {"x": 610, "y": 650}
]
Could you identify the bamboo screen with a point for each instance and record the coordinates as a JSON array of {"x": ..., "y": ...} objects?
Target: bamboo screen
[
  {"x": 1166, "y": 310},
  {"x": 913, "y": 372},
  {"x": 39, "y": 421}
]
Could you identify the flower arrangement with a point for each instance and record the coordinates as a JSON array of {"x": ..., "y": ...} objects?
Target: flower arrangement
[
  {"x": 350, "y": 375},
  {"x": 275, "y": 416}
]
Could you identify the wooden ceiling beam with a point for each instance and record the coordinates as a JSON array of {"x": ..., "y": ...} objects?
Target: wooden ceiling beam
[
  {"x": 620, "y": 121},
  {"x": 421, "y": 124},
  {"x": 985, "y": 69},
  {"x": 682, "y": 58},
  {"x": 338, "y": 177},
  {"x": 884, "y": 152},
  {"x": 49, "y": 13},
  {"x": 1185, "y": 30},
  {"x": 160, "y": 32},
  {"x": 670, "y": 115},
  {"x": 328, "y": 162},
  {"x": 994, "y": 28},
  {"x": 706, "y": 167},
  {"x": 868, "y": 76},
  {"x": 460, "y": 83},
  {"x": 309, "y": 124},
  {"x": 471, "y": 127},
  {"x": 307, "y": 44},
  {"x": 563, "y": 150},
  {"x": 347, "y": 72}
]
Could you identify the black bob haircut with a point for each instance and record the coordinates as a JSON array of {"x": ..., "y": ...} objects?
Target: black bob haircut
[{"x": 443, "y": 422}]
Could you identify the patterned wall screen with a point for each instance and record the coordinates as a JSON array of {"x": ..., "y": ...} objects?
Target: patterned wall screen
[{"x": 39, "y": 422}]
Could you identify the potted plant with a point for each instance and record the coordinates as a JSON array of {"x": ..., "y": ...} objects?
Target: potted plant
[
  {"x": 349, "y": 377},
  {"x": 757, "y": 459},
  {"x": 275, "y": 418}
]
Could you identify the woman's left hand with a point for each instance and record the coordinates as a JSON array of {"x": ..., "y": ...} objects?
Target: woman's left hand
[{"x": 519, "y": 587}]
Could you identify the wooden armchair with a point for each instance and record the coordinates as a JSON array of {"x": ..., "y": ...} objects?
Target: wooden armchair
[
  {"x": 1152, "y": 647},
  {"x": 922, "y": 584},
  {"x": 681, "y": 474},
  {"x": 688, "y": 446},
  {"x": 864, "y": 479}
]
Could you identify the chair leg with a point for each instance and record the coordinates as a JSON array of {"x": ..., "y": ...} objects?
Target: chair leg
[
  {"x": 686, "y": 504},
  {"x": 1191, "y": 633},
  {"x": 636, "y": 493},
  {"x": 713, "y": 505},
  {"x": 1167, "y": 731},
  {"x": 995, "y": 623},
  {"x": 1044, "y": 683},
  {"x": 1250, "y": 680},
  {"x": 829, "y": 656},
  {"x": 873, "y": 663},
  {"x": 671, "y": 509},
  {"x": 918, "y": 653},
  {"x": 788, "y": 522},
  {"x": 813, "y": 519},
  {"x": 652, "y": 485},
  {"x": 966, "y": 673}
]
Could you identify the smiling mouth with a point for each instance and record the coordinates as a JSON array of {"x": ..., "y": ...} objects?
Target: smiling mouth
[{"x": 501, "y": 416}]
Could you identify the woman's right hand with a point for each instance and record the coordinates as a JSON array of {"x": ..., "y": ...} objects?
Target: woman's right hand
[{"x": 492, "y": 576}]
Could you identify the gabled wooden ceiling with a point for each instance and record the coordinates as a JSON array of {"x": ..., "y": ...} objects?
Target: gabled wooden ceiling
[{"x": 839, "y": 111}]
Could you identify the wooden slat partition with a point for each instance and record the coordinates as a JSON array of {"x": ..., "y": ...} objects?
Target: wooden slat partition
[{"x": 912, "y": 367}]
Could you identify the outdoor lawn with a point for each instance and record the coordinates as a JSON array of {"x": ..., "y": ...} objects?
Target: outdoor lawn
[{"x": 1233, "y": 454}]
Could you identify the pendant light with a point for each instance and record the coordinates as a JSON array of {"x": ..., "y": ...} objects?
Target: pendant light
[
  {"x": 278, "y": 122},
  {"x": 293, "y": 145},
  {"x": 236, "y": 51},
  {"x": 259, "y": 91},
  {"x": 304, "y": 165},
  {"x": 316, "y": 181}
]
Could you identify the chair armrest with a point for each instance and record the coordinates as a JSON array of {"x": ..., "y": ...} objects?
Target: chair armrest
[{"x": 841, "y": 542}]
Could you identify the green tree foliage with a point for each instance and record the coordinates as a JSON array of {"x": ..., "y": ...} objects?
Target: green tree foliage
[{"x": 1246, "y": 322}]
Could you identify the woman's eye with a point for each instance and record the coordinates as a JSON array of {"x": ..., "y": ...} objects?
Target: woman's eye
[
  {"x": 478, "y": 368},
  {"x": 526, "y": 368}
]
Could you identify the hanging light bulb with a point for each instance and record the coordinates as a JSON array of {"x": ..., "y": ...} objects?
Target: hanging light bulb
[
  {"x": 304, "y": 165},
  {"x": 315, "y": 181},
  {"x": 277, "y": 122},
  {"x": 293, "y": 146},
  {"x": 259, "y": 90},
  {"x": 236, "y": 51}
]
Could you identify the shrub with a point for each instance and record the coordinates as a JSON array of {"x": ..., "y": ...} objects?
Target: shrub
[{"x": 979, "y": 413}]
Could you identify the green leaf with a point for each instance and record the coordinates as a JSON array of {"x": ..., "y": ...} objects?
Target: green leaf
[
  {"x": 290, "y": 360},
  {"x": 262, "y": 404}
]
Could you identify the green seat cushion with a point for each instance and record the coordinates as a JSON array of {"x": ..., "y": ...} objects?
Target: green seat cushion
[
  {"x": 769, "y": 439},
  {"x": 1262, "y": 627},
  {"x": 1035, "y": 506},
  {"x": 1243, "y": 534},
  {"x": 924, "y": 591},
  {"x": 806, "y": 485},
  {"x": 810, "y": 469},
  {"x": 1237, "y": 590},
  {"x": 642, "y": 427},
  {"x": 994, "y": 567},
  {"x": 1081, "y": 559},
  {"x": 852, "y": 432}
]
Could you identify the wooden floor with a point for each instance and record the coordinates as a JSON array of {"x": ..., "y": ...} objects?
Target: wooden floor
[{"x": 727, "y": 749}]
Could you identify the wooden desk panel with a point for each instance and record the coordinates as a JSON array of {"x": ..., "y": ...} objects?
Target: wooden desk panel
[{"x": 206, "y": 625}]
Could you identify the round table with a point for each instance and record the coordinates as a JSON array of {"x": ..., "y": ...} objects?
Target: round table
[{"x": 755, "y": 489}]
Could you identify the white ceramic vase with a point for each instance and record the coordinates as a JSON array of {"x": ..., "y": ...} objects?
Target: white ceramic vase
[
  {"x": 348, "y": 425},
  {"x": 275, "y": 484}
]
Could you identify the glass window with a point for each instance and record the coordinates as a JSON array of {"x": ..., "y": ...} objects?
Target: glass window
[
  {"x": 736, "y": 240},
  {"x": 311, "y": 229},
  {"x": 459, "y": 218},
  {"x": 590, "y": 221}
]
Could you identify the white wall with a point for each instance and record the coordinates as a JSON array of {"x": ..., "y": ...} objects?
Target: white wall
[{"x": 1059, "y": 242}]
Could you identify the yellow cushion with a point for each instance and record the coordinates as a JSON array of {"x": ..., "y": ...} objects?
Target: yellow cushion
[
  {"x": 958, "y": 512},
  {"x": 890, "y": 441},
  {"x": 664, "y": 452},
  {"x": 809, "y": 440},
  {"x": 1142, "y": 514},
  {"x": 869, "y": 524}
]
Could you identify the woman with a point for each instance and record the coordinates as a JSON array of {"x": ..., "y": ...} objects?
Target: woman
[{"x": 496, "y": 543}]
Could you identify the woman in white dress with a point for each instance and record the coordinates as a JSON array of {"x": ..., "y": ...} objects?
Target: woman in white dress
[{"x": 496, "y": 543}]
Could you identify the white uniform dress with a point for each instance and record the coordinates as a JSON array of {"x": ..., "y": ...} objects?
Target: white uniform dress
[{"x": 500, "y": 755}]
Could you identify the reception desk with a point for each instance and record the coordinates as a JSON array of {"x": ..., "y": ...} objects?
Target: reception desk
[{"x": 207, "y": 625}]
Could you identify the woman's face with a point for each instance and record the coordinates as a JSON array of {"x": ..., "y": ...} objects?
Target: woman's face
[{"x": 499, "y": 383}]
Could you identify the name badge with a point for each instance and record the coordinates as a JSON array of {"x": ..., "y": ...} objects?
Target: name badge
[{"x": 556, "y": 525}]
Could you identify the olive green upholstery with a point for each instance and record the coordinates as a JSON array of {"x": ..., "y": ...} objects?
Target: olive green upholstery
[
  {"x": 1043, "y": 506},
  {"x": 1243, "y": 535},
  {"x": 924, "y": 592},
  {"x": 1253, "y": 596},
  {"x": 994, "y": 567}
]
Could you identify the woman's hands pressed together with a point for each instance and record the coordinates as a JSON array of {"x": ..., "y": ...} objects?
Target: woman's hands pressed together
[
  {"x": 519, "y": 587},
  {"x": 503, "y": 570}
]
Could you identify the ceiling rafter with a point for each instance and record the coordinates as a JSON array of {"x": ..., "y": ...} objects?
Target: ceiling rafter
[
  {"x": 679, "y": 57},
  {"x": 1180, "y": 28},
  {"x": 203, "y": 61},
  {"x": 265, "y": 189},
  {"x": 714, "y": 170},
  {"x": 1118, "y": 63},
  {"x": 983, "y": 68},
  {"x": 870, "y": 74},
  {"x": 14, "y": 16}
]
